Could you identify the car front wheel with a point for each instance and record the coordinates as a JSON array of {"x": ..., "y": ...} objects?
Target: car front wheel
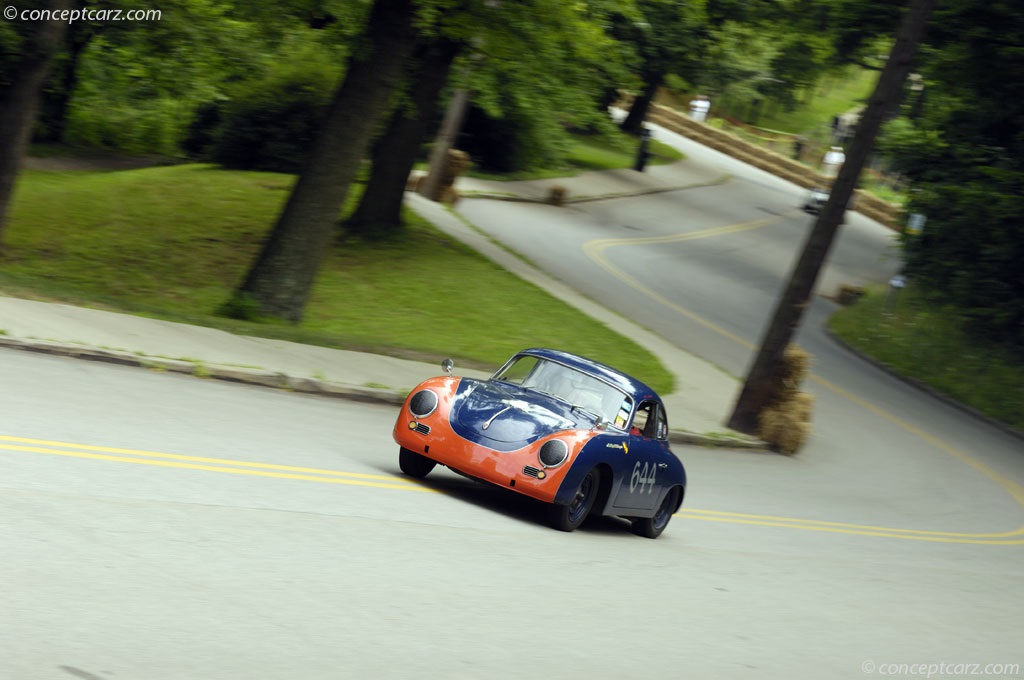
[
  {"x": 569, "y": 517},
  {"x": 651, "y": 527},
  {"x": 414, "y": 464}
]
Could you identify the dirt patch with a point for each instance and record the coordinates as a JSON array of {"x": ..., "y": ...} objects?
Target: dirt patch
[{"x": 94, "y": 162}]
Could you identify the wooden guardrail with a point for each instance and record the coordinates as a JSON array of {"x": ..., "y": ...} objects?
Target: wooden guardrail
[{"x": 867, "y": 204}]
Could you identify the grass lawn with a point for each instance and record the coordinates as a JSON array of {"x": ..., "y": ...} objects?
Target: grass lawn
[
  {"x": 832, "y": 96},
  {"x": 927, "y": 343},
  {"x": 172, "y": 242},
  {"x": 813, "y": 112}
]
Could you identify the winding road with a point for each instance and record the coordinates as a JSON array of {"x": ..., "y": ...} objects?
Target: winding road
[{"x": 159, "y": 526}]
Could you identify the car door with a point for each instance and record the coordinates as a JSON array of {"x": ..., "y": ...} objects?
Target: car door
[{"x": 643, "y": 477}]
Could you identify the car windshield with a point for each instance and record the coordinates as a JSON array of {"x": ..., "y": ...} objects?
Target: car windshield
[{"x": 579, "y": 390}]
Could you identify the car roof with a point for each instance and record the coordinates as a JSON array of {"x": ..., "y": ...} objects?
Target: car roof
[{"x": 624, "y": 382}]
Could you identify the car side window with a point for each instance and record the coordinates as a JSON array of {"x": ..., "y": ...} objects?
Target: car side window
[
  {"x": 661, "y": 428},
  {"x": 643, "y": 419},
  {"x": 649, "y": 421}
]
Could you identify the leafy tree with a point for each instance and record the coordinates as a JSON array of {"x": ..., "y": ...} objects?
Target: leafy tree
[
  {"x": 134, "y": 85},
  {"x": 279, "y": 282},
  {"x": 27, "y": 50},
  {"x": 269, "y": 123},
  {"x": 767, "y": 373},
  {"x": 777, "y": 52},
  {"x": 860, "y": 30},
  {"x": 963, "y": 153},
  {"x": 538, "y": 68},
  {"x": 394, "y": 154},
  {"x": 666, "y": 37},
  {"x": 534, "y": 68},
  {"x": 739, "y": 61}
]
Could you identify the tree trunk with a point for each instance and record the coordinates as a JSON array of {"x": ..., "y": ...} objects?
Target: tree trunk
[
  {"x": 763, "y": 378},
  {"x": 19, "y": 100},
  {"x": 634, "y": 122},
  {"x": 431, "y": 187},
  {"x": 53, "y": 113},
  {"x": 281, "y": 278},
  {"x": 394, "y": 154}
]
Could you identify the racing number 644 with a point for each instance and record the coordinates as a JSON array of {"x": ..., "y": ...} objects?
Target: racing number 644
[{"x": 642, "y": 476}]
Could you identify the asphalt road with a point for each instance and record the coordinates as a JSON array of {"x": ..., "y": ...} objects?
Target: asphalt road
[
  {"x": 158, "y": 526},
  {"x": 704, "y": 267}
]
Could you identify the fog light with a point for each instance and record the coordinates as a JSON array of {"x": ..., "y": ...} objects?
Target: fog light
[{"x": 412, "y": 424}]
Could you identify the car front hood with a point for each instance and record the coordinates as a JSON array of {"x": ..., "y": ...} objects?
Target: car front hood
[{"x": 504, "y": 417}]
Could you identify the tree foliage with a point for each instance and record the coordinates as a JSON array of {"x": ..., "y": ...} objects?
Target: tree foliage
[
  {"x": 135, "y": 85},
  {"x": 270, "y": 123},
  {"x": 663, "y": 37},
  {"x": 963, "y": 152},
  {"x": 775, "y": 51},
  {"x": 535, "y": 69},
  {"x": 280, "y": 280}
]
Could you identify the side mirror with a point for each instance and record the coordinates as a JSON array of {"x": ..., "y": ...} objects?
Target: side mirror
[
  {"x": 448, "y": 366},
  {"x": 602, "y": 424}
]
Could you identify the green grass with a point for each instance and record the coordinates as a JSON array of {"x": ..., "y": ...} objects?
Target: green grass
[
  {"x": 919, "y": 340},
  {"x": 587, "y": 153},
  {"x": 173, "y": 242},
  {"x": 832, "y": 96},
  {"x": 813, "y": 113}
]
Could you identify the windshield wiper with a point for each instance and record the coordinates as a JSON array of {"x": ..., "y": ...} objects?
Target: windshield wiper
[
  {"x": 550, "y": 394},
  {"x": 597, "y": 416}
]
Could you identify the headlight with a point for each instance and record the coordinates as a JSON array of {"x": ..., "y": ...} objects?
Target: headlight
[
  {"x": 553, "y": 453},
  {"x": 423, "y": 403}
]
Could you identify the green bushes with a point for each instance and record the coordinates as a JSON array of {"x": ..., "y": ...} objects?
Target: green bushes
[
  {"x": 267, "y": 123},
  {"x": 519, "y": 140},
  {"x": 118, "y": 110}
]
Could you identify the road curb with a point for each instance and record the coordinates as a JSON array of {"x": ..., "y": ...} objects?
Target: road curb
[
  {"x": 927, "y": 389},
  {"x": 282, "y": 381},
  {"x": 245, "y": 376},
  {"x": 718, "y": 441},
  {"x": 569, "y": 200}
]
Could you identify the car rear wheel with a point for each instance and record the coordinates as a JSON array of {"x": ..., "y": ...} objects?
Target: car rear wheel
[
  {"x": 414, "y": 464},
  {"x": 651, "y": 527},
  {"x": 569, "y": 517}
]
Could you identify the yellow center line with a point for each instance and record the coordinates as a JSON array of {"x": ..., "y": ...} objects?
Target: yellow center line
[
  {"x": 974, "y": 539},
  {"x": 208, "y": 464},
  {"x": 596, "y": 249},
  {"x": 323, "y": 476},
  {"x": 721, "y": 515}
]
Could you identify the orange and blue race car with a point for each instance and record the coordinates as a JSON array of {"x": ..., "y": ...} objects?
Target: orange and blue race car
[{"x": 557, "y": 427}]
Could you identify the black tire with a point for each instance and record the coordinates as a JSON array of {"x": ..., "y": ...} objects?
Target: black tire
[
  {"x": 414, "y": 464},
  {"x": 651, "y": 527},
  {"x": 569, "y": 517}
]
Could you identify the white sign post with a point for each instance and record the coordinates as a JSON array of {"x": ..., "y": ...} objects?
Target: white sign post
[
  {"x": 896, "y": 284},
  {"x": 915, "y": 223}
]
